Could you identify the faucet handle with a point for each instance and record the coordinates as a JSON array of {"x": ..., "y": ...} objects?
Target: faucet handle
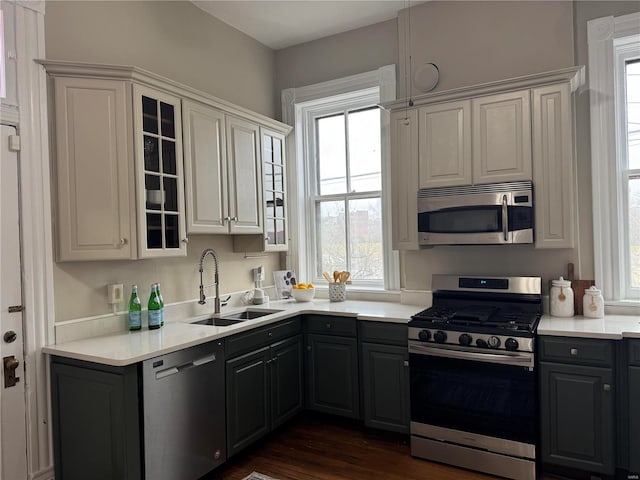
[{"x": 224, "y": 301}]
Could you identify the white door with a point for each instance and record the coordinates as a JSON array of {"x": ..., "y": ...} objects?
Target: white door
[{"x": 13, "y": 443}]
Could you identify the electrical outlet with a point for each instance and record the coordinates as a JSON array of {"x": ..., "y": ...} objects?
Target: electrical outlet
[{"x": 115, "y": 293}]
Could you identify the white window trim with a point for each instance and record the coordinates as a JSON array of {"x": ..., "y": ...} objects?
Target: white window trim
[
  {"x": 295, "y": 104},
  {"x": 606, "y": 37}
]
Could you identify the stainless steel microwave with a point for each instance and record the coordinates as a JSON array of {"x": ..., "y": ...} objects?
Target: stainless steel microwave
[{"x": 497, "y": 213}]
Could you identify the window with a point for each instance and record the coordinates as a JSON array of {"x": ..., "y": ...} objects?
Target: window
[
  {"x": 614, "y": 72},
  {"x": 341, "y": 180},
  {"x": 347, "y": 195}
]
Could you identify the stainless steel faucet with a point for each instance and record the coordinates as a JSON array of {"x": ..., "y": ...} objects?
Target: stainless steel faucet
[{"x": 210, "y": 251}]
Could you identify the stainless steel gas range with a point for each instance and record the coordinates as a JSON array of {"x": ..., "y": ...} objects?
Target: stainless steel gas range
[{"x": 473, "y": 385}]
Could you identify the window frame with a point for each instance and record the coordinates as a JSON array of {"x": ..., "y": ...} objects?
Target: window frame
[
  {"x": 300, "y": 106},
  {"x": 611, "y": 40}
]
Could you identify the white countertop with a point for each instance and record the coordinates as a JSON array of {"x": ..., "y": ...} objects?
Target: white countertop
[
  {"x": 613, "y": 327},
  {"x": 131, "y": 347}
]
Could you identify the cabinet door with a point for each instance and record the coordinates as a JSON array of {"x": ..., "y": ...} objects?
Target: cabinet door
[
  {"x": 385, "y": 387},
  {"x": 501, "y": 137},
  {"x": 244, "y": 176},
  {"x": 553, "y": 166},
  {"x": 205, "y": 168},
  {"x": 287, "y": 397},
  {"x": 576, "y": 411},
  {"x": 275, "y": 195},
  {"x": 445, "y": 144},
  {"x": 95, "y": 186},
  {"x": 404, "y": 180},
  {"x": 95, "y": 424},
  {"x": 332, "y": 375},
  {"x": 248, "y": 409},
  {"x": 160, "y": 180},
  {"x": 634, "y": 419}
]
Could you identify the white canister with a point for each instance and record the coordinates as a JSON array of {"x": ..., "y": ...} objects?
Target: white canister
[
  {"x": 561, "y": 298},
  {"x": 593, "y": 303}
]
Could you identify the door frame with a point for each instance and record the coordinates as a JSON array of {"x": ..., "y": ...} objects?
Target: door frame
[{"x": 28, "y": 113}]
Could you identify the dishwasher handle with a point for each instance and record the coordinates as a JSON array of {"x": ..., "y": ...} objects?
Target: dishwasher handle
[{"x": 167, "y": 372}]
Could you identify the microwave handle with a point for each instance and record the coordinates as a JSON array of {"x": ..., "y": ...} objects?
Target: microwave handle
[{"x": 505, "y": 218}]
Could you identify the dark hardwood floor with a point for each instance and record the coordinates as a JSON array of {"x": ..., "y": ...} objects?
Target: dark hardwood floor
[{"x": 314, "y": 447}]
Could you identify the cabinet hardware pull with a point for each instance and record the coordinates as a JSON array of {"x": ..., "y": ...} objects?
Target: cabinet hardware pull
[
  {"x": 227, "y": 219},
  {"x": 406, "y": 363},
  {"x": 123, "y": 242},
  {"x": 235, "y": 219},
  {"x": 309, "y": 348},
  {"x": 328, "y": 325},
  {"x": 185, "y": 240},
  {"x": 574, "y": 351},
  {"x": 606, "y": 387}
]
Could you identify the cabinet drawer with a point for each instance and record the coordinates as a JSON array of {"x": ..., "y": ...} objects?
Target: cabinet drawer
[
  {"x": 260, "y": 337},
  {"x": 634, "y": 352},
  {"x": 577, "y": 350},
  {"x": 327, "y": 325},
  {"x": 381, "y": 332}
]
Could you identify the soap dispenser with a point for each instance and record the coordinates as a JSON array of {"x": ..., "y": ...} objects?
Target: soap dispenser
[{"x": 258, "y": 294}]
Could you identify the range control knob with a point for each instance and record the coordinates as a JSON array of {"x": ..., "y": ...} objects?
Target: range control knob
[
  {"x": 481, "y": 343},
  {"x": 440, "y": 336},
  {"x": 494, "y": 342},
  {"x": 465, "y": 339},
  {"x": 511, "y": 344},
  {"x": 424, "y": 335}
]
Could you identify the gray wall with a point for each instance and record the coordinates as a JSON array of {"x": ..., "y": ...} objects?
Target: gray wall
[
  {"x": 357, "y": 51},
  {"x": 475, "y": 42},
  {"x": 172, "y": 38},
  {"x": 181, "y": 42}
]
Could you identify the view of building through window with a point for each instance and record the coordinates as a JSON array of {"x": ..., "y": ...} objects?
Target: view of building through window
[
  {"x": 633, "y": 166},
  {"x": 348, "y": 197}
]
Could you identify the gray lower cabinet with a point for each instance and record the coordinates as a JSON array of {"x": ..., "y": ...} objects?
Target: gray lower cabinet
[
  {"x": 265, "y": 384},
  {"x": 384, "y": 375},
  {"x": 634, "y": 405},
  {"x": 577, "y": 404},
  {"x": 96, "y": 423},
  {"x": 332, "y": 365},
  {"x": 160, "y": 419}
]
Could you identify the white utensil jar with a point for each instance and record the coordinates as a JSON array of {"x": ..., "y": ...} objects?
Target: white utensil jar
[
  {"x": 593, "y": 303},
  {"x": 561, "y": 298}
]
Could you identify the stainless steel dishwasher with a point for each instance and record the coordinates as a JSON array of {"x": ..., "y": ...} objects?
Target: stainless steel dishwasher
[{"x": 184, "y": 413}]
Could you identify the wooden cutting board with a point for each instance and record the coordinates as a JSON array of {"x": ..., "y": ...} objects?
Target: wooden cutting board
[{"x": 578, "y": 287}]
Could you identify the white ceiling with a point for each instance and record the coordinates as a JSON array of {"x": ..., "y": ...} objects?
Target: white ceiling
[{"x": 280, "y": 24}]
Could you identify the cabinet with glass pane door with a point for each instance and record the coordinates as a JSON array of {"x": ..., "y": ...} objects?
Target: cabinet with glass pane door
[
  {"x": 274, "y": 188},
  {"x": 159, "y": 174}
]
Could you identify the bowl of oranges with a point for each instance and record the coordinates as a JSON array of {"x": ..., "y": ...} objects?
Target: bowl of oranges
[{"x": 303, "y": 292}]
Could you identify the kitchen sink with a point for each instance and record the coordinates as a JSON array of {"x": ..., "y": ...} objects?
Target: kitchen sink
[
  {"x": 249, "y": 314},
  {"x": 217, "y": 322},
  {"x": 234, "y": 318}
]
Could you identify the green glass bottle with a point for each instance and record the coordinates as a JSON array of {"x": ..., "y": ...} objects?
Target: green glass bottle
[
  {"x": 153, "y": 308},
  {"x": 161, "y": 304},
  {"x": 135, "y": 310}
]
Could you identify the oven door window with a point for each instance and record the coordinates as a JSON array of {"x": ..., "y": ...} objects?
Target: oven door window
[
  {"x": 483, "y": 398},
  {"x": 486, "y": 219}
]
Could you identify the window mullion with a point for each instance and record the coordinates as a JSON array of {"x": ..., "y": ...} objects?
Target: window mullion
[{"x": 347, "y": 230}]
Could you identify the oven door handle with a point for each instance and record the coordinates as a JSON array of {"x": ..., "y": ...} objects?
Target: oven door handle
[{"x": 524, "y": 360}]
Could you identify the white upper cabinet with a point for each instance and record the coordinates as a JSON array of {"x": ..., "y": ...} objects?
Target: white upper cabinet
[
  {"x": 94, "y": 174},
  {"x": 205, "y": 168},
  {"x": 244, "y": 176},
  {"x": 275, "y": 202},
  {"x": 404, "y": 179},
  {"x": 445, "y": 144},
  {"x": 553, "y": 167},
  {"x": 123, "y": 190},
  {"x": 159, "y": 173},
  {"x": 505, "y": 131},
  {"x": 501, "y": 137}
]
